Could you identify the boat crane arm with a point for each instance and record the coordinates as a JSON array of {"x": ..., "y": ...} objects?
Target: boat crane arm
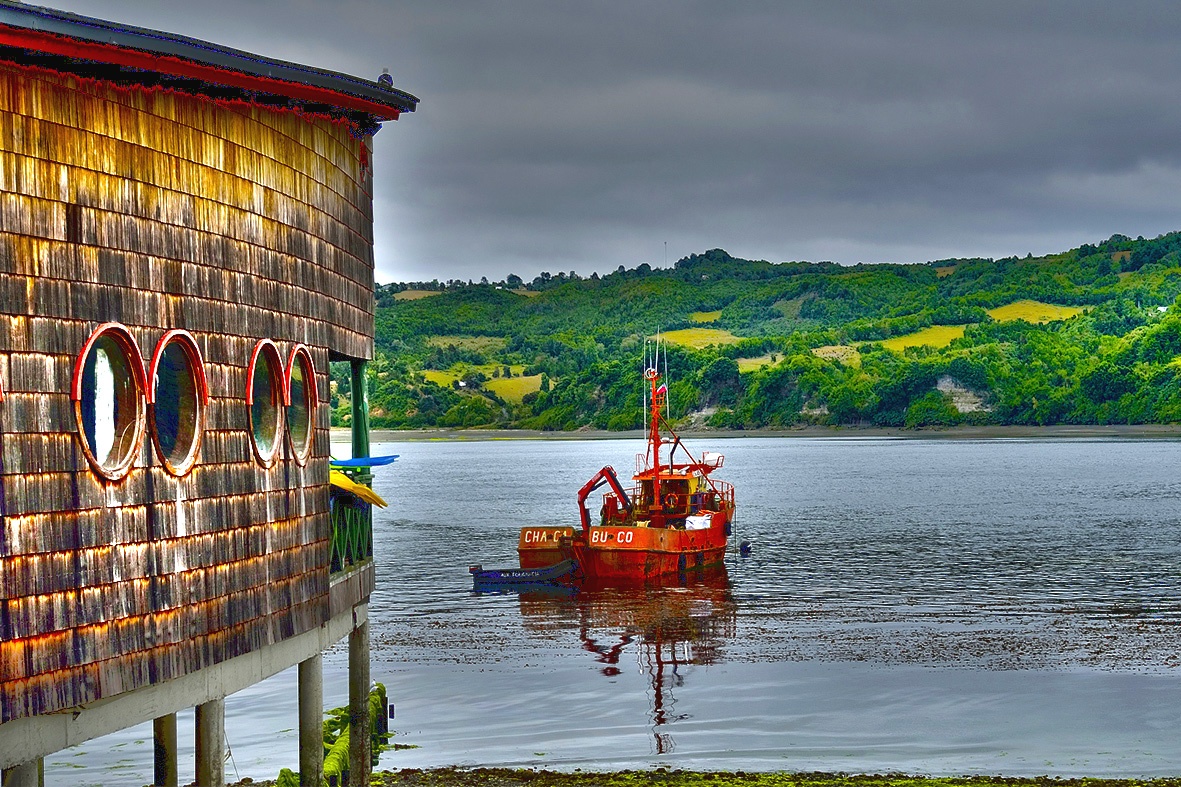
[{"x": 604, "y": 476}]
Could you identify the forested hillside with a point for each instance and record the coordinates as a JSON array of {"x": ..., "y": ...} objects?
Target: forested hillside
[{"x": 1091, "y": 335}]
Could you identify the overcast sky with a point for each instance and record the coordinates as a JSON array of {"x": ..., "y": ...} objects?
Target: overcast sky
[{"x": 585, "y": 135}]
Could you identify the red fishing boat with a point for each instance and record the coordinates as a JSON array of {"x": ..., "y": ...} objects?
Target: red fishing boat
[{"x": 675, "y": 517}]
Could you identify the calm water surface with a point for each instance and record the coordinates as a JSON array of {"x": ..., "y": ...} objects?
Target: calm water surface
[{"x": 937, "y": 606}]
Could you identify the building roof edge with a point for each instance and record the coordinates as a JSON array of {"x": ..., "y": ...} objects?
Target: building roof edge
[{"x": 164, "y": 49}]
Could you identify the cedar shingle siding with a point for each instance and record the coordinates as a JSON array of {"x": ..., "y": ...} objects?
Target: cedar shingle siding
[{"x": 161, "y": 210}]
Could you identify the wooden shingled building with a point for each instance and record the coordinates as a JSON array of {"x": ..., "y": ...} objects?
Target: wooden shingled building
[{"x": 186, "y": 241}]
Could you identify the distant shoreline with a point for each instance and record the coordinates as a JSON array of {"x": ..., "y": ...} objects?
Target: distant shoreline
[{"x": 1058, "y": 431}]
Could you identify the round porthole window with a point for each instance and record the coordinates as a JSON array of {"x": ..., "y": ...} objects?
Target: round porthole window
[
  {"x": 301, "y": 395},
  {"x": 108, "y": 393},
  {"x": 178, "y": 396},
  {"x": 265, "y": 399}
]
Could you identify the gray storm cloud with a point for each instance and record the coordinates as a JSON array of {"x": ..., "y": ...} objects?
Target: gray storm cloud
[{"x": 582, "y": 136}]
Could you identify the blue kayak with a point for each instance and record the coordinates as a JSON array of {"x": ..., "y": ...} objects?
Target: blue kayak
[{"x": 364, "y": 461}]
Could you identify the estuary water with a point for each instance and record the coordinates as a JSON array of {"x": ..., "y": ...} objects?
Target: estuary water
[{"x": 1002, "y": 606}]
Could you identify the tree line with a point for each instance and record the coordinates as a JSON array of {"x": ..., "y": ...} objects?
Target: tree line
[{"x": 1115, "y": 361}]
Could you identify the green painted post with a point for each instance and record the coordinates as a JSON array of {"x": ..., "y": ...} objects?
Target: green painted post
[
  {"x": 360, "y": 410},
  {"x": 361, "y": 441}
]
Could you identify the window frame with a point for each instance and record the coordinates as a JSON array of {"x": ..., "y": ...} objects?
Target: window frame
[
  {"x": 267, "y": 348},
  {"x": 126, "y": 342},
  {"x": 201, "y": 383},
  {"x": 301, "y": 354}
]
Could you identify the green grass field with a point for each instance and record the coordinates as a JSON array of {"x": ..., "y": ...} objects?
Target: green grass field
[
  {"x": 754, "y": 364},
  {"x": 480, "y": 344},
  {"x": 789, "y": 308},
  {"x": 513, "y": 389},
  {"x": 704, "y": 317},
  {"x": 414, "y": 295},
  {"x": 698, "y": 338},
  {"x": 1033, "y": 312},
  {"x": 440, "y": 377},
  {"x": 839, "y": 352},
  {"x": 935, "y": 336}
]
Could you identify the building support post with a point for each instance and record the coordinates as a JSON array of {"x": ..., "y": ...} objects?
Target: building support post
[
  {"x": 164, "y": 740},
  {"x": 359, "y": 739},
  {"x": 360, "y": 409},
  {"x": 27, "y": 774},
  {"x": 311, "y": 722},
  {"x": 361, "y": 449},
  {"x": 211, "y": 756}
]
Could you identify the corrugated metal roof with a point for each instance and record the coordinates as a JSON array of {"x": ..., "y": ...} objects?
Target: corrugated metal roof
[{"x": 103, "y": 49}]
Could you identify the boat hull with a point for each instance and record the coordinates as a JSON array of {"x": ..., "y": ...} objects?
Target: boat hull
[
  {"x": 625, "y": 553},
  {"x": 538, "y": 547},
  {"x": 495, "y": 579}
]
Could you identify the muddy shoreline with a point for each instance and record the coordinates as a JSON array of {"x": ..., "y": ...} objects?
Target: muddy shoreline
[
  {"x": 663, "y": 777},
  {"x": 1088, "y": 432}
]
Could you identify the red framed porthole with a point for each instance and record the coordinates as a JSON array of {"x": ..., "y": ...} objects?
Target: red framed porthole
[
  {"x": 301, "y": 402},
  {"x": 266, "y": 397},
  {"x": 178, "y": 396},
  {"x": 108, "y": 395}
]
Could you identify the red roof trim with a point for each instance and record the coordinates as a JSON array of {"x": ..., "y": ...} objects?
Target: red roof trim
[{"x": 164, "y": 64}]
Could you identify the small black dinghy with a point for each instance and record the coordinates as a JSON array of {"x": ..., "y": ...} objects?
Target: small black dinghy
[{"x": 503, "y": 578}]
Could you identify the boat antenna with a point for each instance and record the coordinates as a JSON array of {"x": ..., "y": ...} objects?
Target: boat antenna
[{"x": 644, "y": 383}]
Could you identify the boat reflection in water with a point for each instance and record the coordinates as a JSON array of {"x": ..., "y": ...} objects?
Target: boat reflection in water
[{"x": 674, "y": 626}]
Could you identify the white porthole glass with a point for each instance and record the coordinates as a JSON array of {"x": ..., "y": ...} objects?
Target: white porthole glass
[
  {"x": 108, "y": 394},
  {"x": 179, "y": 395},
  {"x": 265, "y": 401},
  {"x": 301, "y": 412}
]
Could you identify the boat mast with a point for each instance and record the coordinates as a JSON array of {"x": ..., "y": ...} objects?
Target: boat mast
[
  {"x": 647, "y": 409},
  {"x": 656, "y": 402}
]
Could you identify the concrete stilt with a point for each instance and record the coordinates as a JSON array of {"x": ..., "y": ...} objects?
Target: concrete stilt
[
  {"x": 210, "y": 740},
  {"x": 28, "y": 774},
  {"x": 311, "y": 722},
  {"x": 164, "y": 740},
  {"x": 359, "y": 744}
]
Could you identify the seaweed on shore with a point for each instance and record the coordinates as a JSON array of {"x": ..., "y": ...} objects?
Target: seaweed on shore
[{"x": 664, "y": 777}]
